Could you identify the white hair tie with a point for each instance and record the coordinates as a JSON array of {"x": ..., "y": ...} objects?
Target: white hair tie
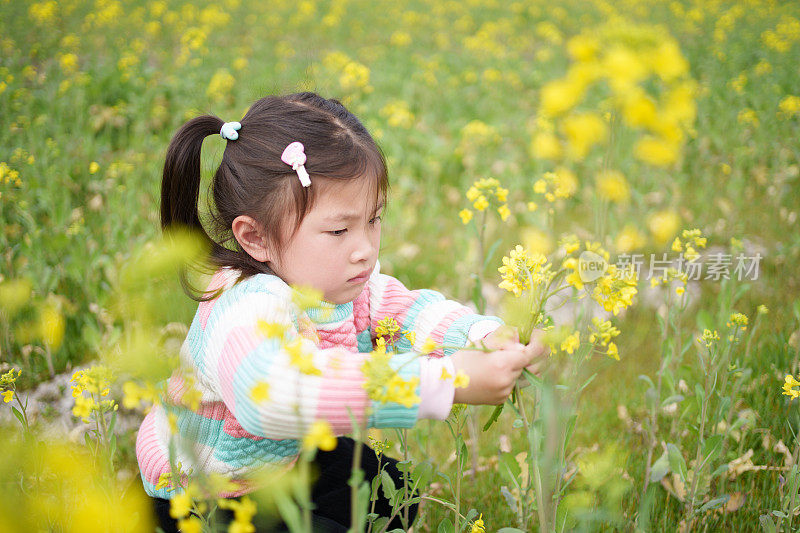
[
  {"x": 295, "y": 156},
  {"x": 230, "y": 131}
]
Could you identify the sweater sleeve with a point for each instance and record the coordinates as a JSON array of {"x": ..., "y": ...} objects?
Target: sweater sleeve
[
  {"x": 426, "y": 313},
  {"x": 277, "y": 389}
]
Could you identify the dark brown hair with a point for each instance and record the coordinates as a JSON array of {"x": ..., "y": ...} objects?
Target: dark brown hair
[{"x": 251, "y": 178}]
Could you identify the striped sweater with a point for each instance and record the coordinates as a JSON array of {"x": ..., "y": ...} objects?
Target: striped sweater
[{"x": 233, "y": 434}]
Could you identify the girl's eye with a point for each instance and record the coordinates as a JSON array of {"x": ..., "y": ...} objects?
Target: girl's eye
[
  {"x": 338, "y": 232},
  {"x": 376, "y": 220}
]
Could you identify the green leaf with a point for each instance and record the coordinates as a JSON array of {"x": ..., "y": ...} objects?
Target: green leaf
[
  {"x": 586, "y": 383},
  {"x": 495, "y": 415},
  {"x": 512, "y": 469},
  {"x": 676, "y": 461},
  {"x": 509, "y": 530},
  {"x": 387, "y": 483},
  {"x": 471, "y": 514},
  {"x": 113, "y": 423},
  {"x": 446, "y": 526},
  {"x": 721, "y": 469},
  {"x": 713, "y": 504},
  {"x": 647, "y": 380},
  {"x": 700, "y": 393},
  {"x": 711, "y": 446},
  {"x": 18, "y": 414},
  {"x": 380, "y": 523},
  {"x": 490, "y": 253},
  {"x": 660, "y": 468},
  {"x": 570, "y": 428},
  {"x": 675, "y": 398},
  {"x": 767, "y": 524}
]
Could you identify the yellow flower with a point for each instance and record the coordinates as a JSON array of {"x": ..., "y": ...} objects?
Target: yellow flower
[
  {"x": 709, "y": 338},
  {"x": 663, "y": 225},
  {"x": 616, "y": 289},
  {"x": 611, "y": 185},
  {"x": 221, "y": 85},
  {"x": 387, "y": 327},
  {"x": 93, "y": 167},
  {"x": 738, "y": 320},
  {"x": 401, "y": 391},
  {"x": 789, "y": 387},
  {"x": 477, "y": 525},
  {"x": 583, "y": 47},
  {"x": 52, "y": 325},
  {"x": 559, "y": 96},
  {"x": 180, "y": 505},
  {"x": 504, "y": 212},
  {"x": 445, "y": 375},
  {"x": 668, "y": 62},
  {"x": 481, "y": 203},
  {"x": 461, "y": 381},
  {"x": 320, "y": 435},
  {"x": 190, "y": 525},
  {"x": 8, "y": 396},
  {"x": 428, "y": 346},
  {"x": 583, "y": 130},
  {"x": 546, "y": 146},
  {"x": 629, "y": 239},
  {"x": 521, "y": 270},
  {"x": 612, "y": 352},
  {"x": 655, "y": 151},
  {"x": 260, "y": 392},
  {"x": 301, "y": 359},
  {"x": 789, "y": 106},
  {"x": 571, "y": 343},
  {"x": 271, "y": 330}
]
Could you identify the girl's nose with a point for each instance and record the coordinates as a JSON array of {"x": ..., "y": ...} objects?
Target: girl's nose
[{"x": 363, "y": 250}]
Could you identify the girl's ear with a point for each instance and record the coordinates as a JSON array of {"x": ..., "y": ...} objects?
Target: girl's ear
[{"x": 249, "y": 236}]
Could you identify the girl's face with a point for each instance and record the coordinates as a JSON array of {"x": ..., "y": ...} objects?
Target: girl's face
[{"x": 336, "y": 246}]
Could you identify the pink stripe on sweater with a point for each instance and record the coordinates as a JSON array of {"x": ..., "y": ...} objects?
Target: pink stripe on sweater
[
  {"x": 150, "y": 453},
  {"x": 204, "y": 308},
  {"x": 233, "y": 428},
  {"x": 396, "y": 301},
  {"x": 342, "y": 387},
  {"x": 240, "y": 343},
  {"x": 444, "y": 324},
  {"x": 361, "y": 310}
]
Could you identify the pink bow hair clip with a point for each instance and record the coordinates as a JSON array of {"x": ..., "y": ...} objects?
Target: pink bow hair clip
[{"x": 295, "y": 156}]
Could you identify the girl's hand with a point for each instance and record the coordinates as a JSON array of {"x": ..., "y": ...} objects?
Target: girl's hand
[{"x": 492, "y": 375}]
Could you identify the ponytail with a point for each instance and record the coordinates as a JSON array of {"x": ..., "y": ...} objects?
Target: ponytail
[{"x": 180, "y": 185}]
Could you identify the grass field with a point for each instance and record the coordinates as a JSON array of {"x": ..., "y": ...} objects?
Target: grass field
[{"x": 696, "y": 104}]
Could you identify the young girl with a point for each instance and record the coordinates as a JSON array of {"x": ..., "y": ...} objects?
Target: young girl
[{"x": 298, "y": 199}]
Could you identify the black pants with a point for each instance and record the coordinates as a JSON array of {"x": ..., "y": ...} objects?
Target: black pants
[{"x": 330, "y": 493}]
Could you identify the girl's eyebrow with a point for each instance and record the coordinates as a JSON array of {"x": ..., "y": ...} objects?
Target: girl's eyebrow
[{"x": 350, "y": 215}]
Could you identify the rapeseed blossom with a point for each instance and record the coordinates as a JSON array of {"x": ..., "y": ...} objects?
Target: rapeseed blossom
[
  {"x": 561, "y": 183},
  {"x": 709, "y": 338},
  {"x": 320, "y": 435},
  {"x": 790, "y": 387},
  {"x": 613, "y": 186},
  {"x": 483, "y": 193},
  {"x": 300, "y": 358},
  {"x": 602, "y": 332},
  {"x": 571, "y": 343},
  {"x": 522, "y": 271},
  {"x": 615, "y": 290}
]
